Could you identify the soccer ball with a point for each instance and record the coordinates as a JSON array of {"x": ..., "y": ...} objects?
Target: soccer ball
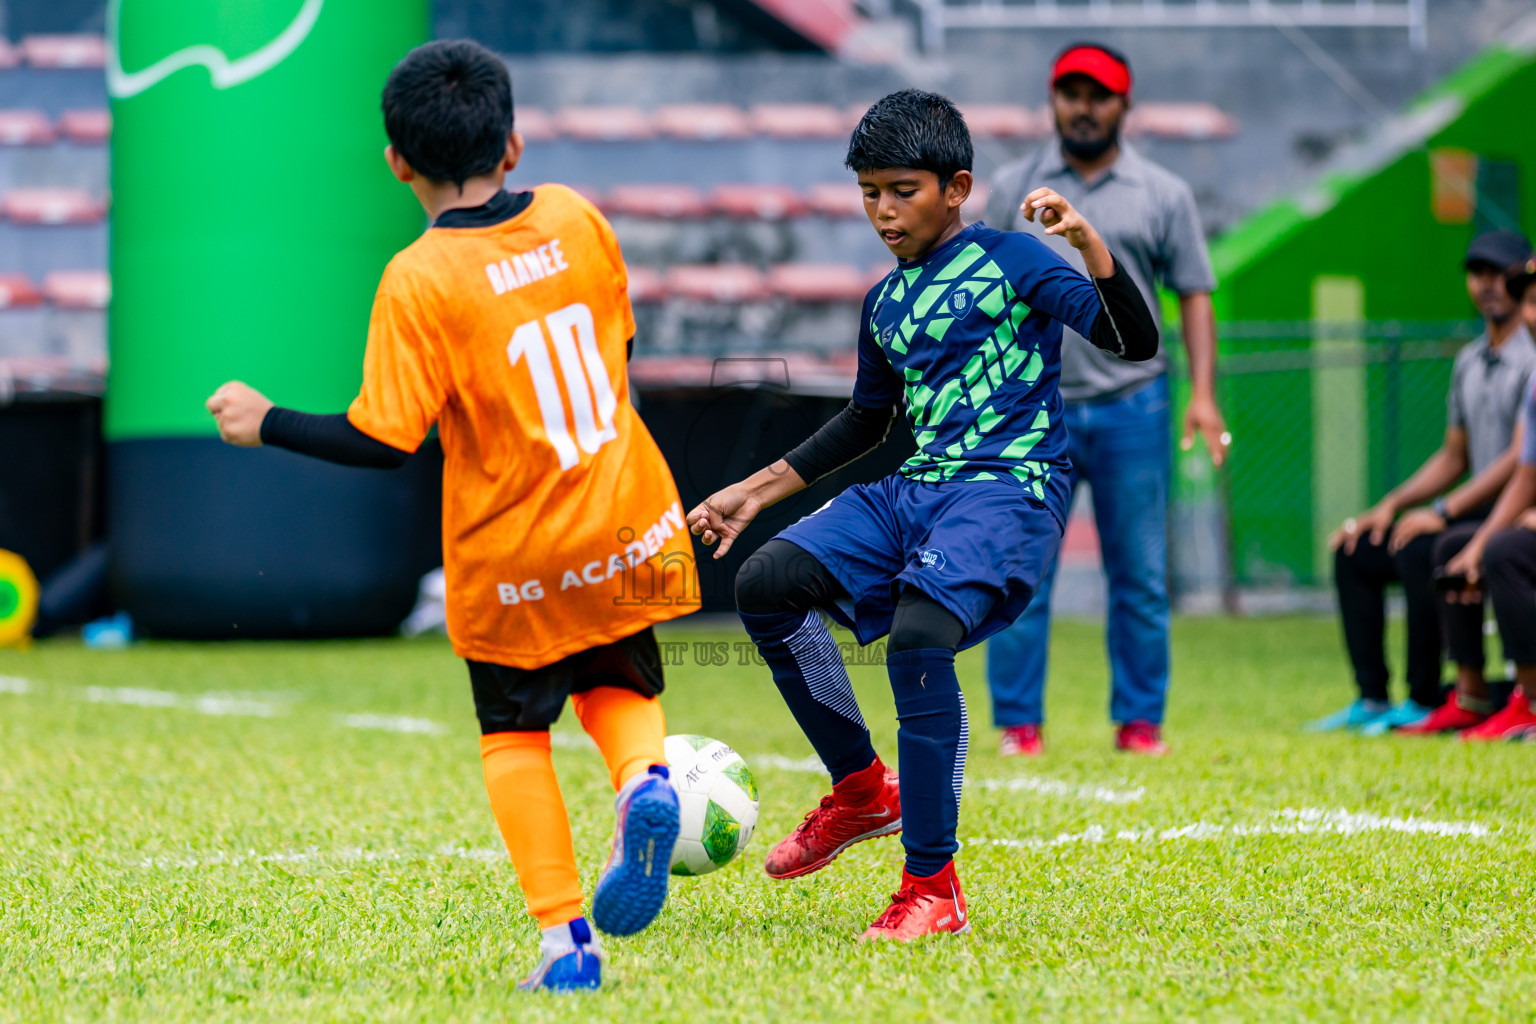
[{"x": 717, "y": 796}]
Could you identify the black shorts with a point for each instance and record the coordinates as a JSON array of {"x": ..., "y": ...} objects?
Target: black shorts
[{"x": 531, "y": 699}]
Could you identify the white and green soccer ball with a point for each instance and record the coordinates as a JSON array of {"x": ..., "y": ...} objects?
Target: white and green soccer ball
[{"x": 717, "y": 797}]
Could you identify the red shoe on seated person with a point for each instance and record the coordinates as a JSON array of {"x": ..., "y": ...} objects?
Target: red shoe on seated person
[
  {"x": 1515, "y": 721},
  {"x": 1457, "y": 713}
]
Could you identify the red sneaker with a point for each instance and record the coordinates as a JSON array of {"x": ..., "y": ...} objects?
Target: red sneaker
[
  {"x": 1515, "y": 721},
  {"x": 1448, "y": 717},
  {"x": 1022, "y": 741},
  {"x": 1141, "y": 738},
  {"x": 849, "y": 815},
  {"x": 923, "y": 906}
]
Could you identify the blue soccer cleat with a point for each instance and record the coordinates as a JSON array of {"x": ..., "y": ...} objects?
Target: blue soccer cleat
[
  {"x": 1408, "y": 712},
  {"x": 1358, "y": 714},
  {"x": 572, "y": 960},
  {"x": 633, "y": 885}
]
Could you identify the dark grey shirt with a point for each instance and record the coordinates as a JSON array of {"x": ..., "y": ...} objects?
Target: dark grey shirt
[
  {"x": 1147, "y": 217},
  {"x": 1487, "y": 388}
]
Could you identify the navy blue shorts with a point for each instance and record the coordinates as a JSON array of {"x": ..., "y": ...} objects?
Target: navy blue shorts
[{"x": 977, "y": 547}]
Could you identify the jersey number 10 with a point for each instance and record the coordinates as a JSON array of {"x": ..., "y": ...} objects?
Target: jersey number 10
[{"x": 586, "y": 380}]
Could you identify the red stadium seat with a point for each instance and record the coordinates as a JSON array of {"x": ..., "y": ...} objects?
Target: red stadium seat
[
  {"x": 646, "y": 284},
  {"x": 818, "y": 282},
  {"x": 836, "y": 199},
  {"x": 665, "y": 201},
  {"x": 535, "y": 124},
  {"x": 10, "y": 57},
  {"x": 1193, "y": 121},
  {"x": 798, "y": 121},
  {"x": 52, "y": 206},
  {"x": 86, "y": 127},
  {"x": 78, "y": 289},
  {"x": 975, "y": 207},
  {"x": 81, "y": 51},
  {"x": 764, "y": 202},
  {"x": 18, "y": 290},
  {"x": 717, "y": 282},
  {"x": 605, "y": 124},
  {"x": 1004, "y": 121},
  {"x": 854, "y": 113},
  {"x": 590, "y": 193},
  {"x": 25, "y": 128},
  {"x": 702, "y": 121}
]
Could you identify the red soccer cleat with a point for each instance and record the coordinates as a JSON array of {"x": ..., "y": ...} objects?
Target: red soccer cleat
[
  {"x": 1515, "y": 721},
  {"x": 1141, "y": 738},
  {"x": 923, "y": 906},
  {"x": 1022, "y": 741},
  {"x": 863, "y": 806},
  {"x": 1448, "y": 717}
]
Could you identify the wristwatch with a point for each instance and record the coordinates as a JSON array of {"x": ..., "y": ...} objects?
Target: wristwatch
[{"x": 1442, "y": 509}]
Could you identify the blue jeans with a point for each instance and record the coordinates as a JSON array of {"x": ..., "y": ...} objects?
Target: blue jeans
[{"x": 1120, "y": 447}]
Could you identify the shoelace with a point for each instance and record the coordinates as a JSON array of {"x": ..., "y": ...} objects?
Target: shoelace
[
  {"x": 814, "y": 820},
  {"x": 903, "y": 902}
]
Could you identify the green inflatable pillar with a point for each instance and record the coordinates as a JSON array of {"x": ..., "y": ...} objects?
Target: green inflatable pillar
[{"x": 252, "y": 215}]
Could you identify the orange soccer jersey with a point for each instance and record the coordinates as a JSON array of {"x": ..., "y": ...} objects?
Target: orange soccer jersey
[{"x": 562, "y": 527}]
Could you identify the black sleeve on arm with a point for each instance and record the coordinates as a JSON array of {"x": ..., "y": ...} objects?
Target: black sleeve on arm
[
  {"x": 1124, "y": 325},
  {"x": 332, "y": 438},
  {"x": 851, "y": 434}
]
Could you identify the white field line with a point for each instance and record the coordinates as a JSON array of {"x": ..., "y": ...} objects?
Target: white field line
[
  {"x": 393, "y": 723},
  {"x": 344, "y": 855},
  {"x": 811, "y": 765},
  {"x": 1055, "y": 787},
  {"x": 15, "y": 684},
  {"x": 203, "y": 704},
  {"x": 1288, "y": 822}
]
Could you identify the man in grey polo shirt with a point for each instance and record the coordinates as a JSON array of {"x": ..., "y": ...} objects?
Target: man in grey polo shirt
[
  {"x": 1388, "y": 543},
  {"x": 1116, "y": 412}
]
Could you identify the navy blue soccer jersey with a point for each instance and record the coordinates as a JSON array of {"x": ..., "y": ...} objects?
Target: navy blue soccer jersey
[{"x": 971, "y": 334}]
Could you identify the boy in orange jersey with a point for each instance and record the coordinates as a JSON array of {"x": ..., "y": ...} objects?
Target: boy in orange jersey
[{"x": 508, "y": 324}]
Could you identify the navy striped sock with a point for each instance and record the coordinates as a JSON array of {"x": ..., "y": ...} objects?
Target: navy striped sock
[{"x": 931, "y": 742}]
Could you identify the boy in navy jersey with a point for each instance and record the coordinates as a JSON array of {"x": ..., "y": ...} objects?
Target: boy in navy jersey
[{"x": 967, "y": 330}]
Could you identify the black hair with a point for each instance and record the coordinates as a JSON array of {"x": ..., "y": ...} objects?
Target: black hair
[
  {"x": 448, "y": 110},
  {"x": 1122, "y": 58},
  {"x": 912, "y": 128}
]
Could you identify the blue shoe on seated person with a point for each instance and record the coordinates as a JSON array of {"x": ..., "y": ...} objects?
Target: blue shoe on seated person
[
  {"x": 572, "y": 960},
  {"x": 1406, "y": 713},
  {"x": 633, "y": 885},
  {"x": 1358, "y": 714}
]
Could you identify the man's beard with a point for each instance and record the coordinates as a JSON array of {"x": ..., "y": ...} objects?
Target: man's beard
[{"x": 1089, "y": 149}]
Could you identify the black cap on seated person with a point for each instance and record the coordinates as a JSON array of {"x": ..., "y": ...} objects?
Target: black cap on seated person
[{"x": 1498, "y": 249}]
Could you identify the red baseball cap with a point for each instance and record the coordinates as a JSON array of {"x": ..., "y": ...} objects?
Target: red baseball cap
[{"x": 1110, "y": 71}]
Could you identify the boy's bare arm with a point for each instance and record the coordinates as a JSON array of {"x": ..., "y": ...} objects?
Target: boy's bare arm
[{"x": 725, "y": 514}]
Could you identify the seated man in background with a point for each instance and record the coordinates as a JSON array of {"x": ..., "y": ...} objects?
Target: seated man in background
[
  {"x": 1501, "y": 558},
  {"x": 1376, "y": 548}
]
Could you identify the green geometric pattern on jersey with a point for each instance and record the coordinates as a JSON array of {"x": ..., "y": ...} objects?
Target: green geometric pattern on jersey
[{"x": 998, "y": 358}]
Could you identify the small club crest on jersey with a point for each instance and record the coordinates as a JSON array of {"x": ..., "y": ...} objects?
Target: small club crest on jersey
[
  {"x": 932, "y": 558},
  {"x": 887, "y": 335},
  {"x": 960, "y": 302}
]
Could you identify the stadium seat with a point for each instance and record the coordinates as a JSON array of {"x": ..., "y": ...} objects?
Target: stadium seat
[
  {"x": 646, "y": 284},
  {"x": 605, "y": 124},
  {"x": 975, "y": 207},
  {"x": 590, "y": 193},
  {"x": 764, "y": 202},
  {"x": 78, "y": 289},
  {"x": 798, "y": 121},
  {"x": 10, "y": 57},
  {"x": 86, "y": 127},
  {"x": 702, "y": 121},
  {"x": 1193, "y": 121},
  {"x": 836, "y": 199},
  {"x": 818, "y": 282},
  {"x": 59, "y": 51},
  {"x": 1005, "y": 121},
  {"x": 717, "y": 282},
  {"x": 52, "y": 206},
  {"x": 25, "y": 128},
  {"x": 665, "y": 201},
  {"x": 18, "y": 290},
  {"x": 535, "y": 124}
]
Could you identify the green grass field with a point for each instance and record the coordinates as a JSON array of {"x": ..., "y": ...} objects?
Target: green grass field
[{"x": 210, "y": 832}]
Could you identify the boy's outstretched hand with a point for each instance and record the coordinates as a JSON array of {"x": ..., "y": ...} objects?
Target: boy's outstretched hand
[
  {"x": 723, "y": 515},
  {"x": 239, "y": 409},
  {"x": 1059, "y": 218}
]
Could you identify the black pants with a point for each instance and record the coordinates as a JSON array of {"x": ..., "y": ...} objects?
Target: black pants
[
  {"x": 511, "y": 699},
  {"x": 1461, "y": 623},
  {"x": 1362, "y": 579},
  {"x": 1509, "y": 572}
]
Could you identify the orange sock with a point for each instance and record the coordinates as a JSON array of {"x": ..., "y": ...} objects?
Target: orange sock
[
  {"x": 629, "y": 729},
  {"x": 525, "y": 798}
]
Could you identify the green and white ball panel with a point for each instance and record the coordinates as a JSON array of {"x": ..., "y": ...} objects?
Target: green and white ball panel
[{"x": 717, "y": 796}]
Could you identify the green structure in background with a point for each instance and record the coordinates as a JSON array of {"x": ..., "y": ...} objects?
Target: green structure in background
[
  {"x": 1340, "y": 309},
  {"x": 253, "y": 214},
  {"x": 252, "y": 210}
]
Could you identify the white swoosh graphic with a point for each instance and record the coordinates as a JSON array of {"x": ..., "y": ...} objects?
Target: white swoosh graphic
[{"x": 222, "y": 71}]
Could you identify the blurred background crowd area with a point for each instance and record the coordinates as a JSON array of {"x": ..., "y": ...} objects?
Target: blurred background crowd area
[{"x": 1342, "y": 153}]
